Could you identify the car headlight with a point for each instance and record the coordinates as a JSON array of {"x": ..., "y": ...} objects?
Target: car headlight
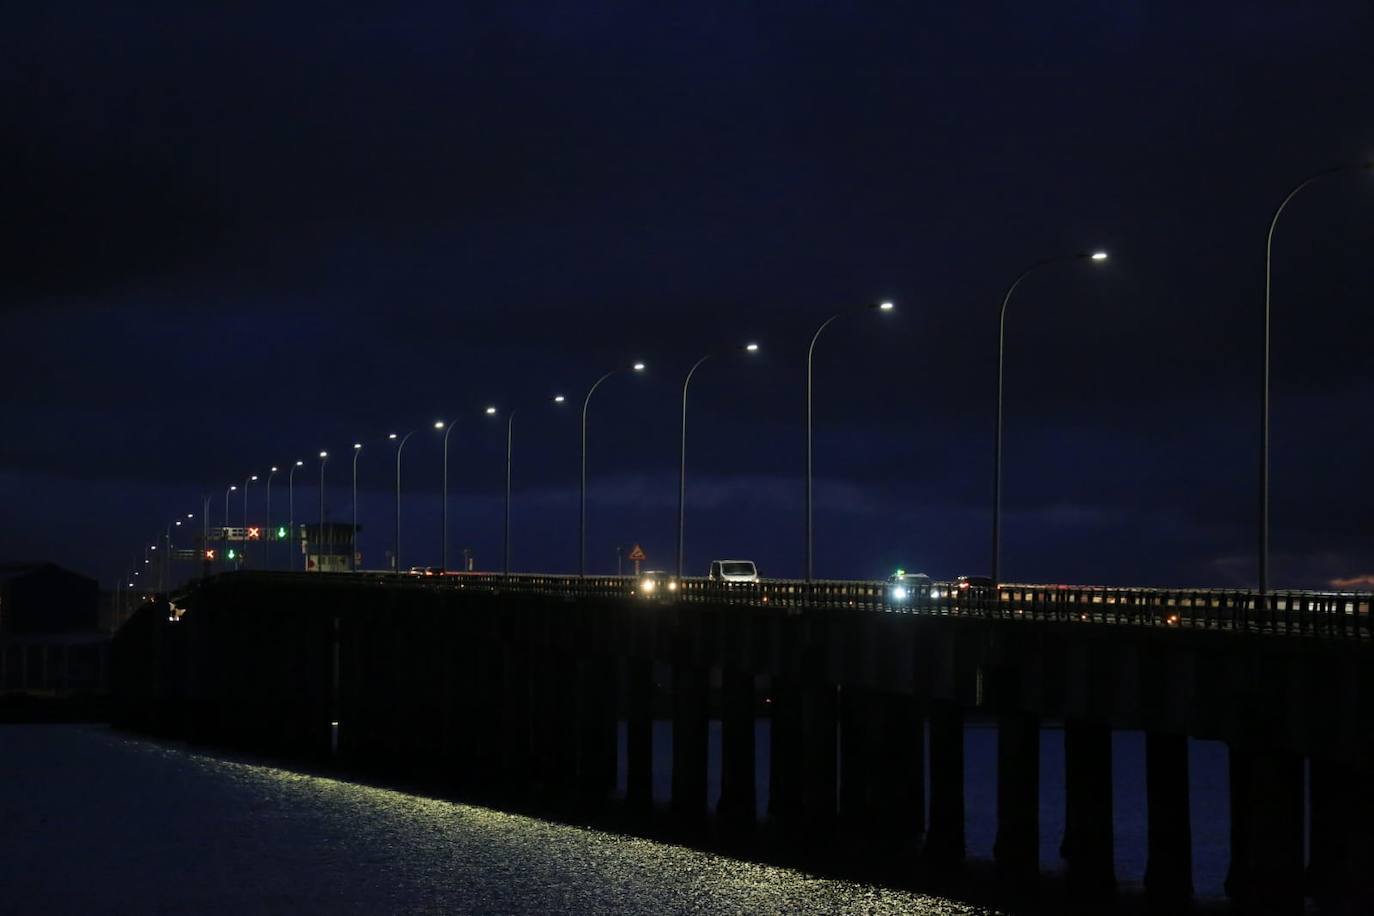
[
  {"x": 899, "y": 594},
  {"x": 647, "y": 586}
]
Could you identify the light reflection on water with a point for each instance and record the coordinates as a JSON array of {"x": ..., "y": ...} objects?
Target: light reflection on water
[{"x": 94, "y": 821}]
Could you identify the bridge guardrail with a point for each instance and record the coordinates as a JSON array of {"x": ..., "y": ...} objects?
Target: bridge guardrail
[{"x": 1299, "y": 613}]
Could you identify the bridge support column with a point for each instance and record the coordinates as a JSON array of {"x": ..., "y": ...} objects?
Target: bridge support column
[
  {"x": 1087, "y": 848},
  {"x": 1169, "y": 837},
  {"x": 1016, "y": 850},
  {"x": 516, "y": 750},
  {"x": 597, "y": 728},
  {"x": 882, "y": 772},
  {"x": 898, "y": 761},
  {"x": 690, "y": 684},
  {"x": 1341, "y": 844},
  {"x": 639, "y": 733},
  {"x": 1267, "y": 864},
  {"x": 738, "y": 801},
  {"x": 820, "y": 777},
  {"x": 945, "y": 842}
]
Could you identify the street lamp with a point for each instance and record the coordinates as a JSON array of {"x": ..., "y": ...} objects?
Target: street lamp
[
  {"x": 267, "y": 528},
  {"x": 1264, "y": 389},
  {"x": 682, "y": 463},
  {"x": 205, "y": 533},
  {"x": 224, "y": 547},
  {"x": 324, "y": 459},
  {"x": 1096, "y": 257},
  {"x": 510, "y": 429},
  {"x": 439, "y": 424},
  {"x": 582, "y": 512},
  {"x": 810, "y": 528},
  {"x": 291, "y": 511},
  {"x": 352, "y": 554},
  {"x": 396, "y": 544},
  {"x": 246, "y": 482}
]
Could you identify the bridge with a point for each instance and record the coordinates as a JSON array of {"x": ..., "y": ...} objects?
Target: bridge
[{"x": 513, "y": 689}]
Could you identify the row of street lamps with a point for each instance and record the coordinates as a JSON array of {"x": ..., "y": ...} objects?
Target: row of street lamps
[{"x": 1095, "y": 257}]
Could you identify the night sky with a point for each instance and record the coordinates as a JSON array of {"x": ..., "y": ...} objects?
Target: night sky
[{"x": 233, "y": 238}]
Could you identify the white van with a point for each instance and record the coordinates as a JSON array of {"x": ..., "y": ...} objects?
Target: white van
[{"x": 733, "y": 571}]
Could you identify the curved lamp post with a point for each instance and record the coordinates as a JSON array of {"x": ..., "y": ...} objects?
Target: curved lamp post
[
  {"x": 267, "y": 528},
  {"x": 353, "y": 554},
  {"x": 205, "y": 533},
  {"x": 291, "y": 512},
  {"x": 582, "y": 511},
  {"x": 246, "y": 481},
  {"x": 439, "y": 424},
  {"x": 1264, "y": 385},
  {"x": 682, "y": 461},
  {"x": 396, "y": 544},
  {"x": 510, "y": 431},
  {"x": 319, "y": 534},
  {"x": 224, "y": 535},
  {"x": 810, "y": 351},
  {"x": 1095, "y": 257}
]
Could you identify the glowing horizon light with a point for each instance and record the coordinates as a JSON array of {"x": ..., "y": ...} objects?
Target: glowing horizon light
[
  {"x": 1099, "y": 255},
  {"x": 638, "y": 367},
  {"x": 751, "y": 347},
  {"x": 491, "y": 411}
]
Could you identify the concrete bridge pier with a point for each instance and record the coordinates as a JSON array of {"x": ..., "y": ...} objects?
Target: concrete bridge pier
[
  {"x": 515, "y": 712},
  {"x": 945, "y": 841},
  {"x": 785, "y": 729},
  {"x": 1087, "y": 847},
  {"x": 1016, "y": 851},
  {"x": 1169, "y": 837},
  {"x": 596, "y": 735},
  {"x": 1267, "y": 875},
  {"x": 691, "y": 684},
  {"x": 738, "y": 799},
  {"x": 820, "y": 734},
  {"x": 882, "y": 772},
  {"x": 639, "y": 733}
]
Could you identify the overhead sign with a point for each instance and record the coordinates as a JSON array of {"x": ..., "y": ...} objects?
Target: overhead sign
[{"x": 637, "y": 554}]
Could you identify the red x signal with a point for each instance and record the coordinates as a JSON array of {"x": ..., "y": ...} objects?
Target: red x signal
[{"x": 254, "y": 534}]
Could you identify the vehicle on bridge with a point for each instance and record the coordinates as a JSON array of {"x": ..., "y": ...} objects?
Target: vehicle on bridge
[
  {"x": 733, "y": 571},
  {"x": 906, "y": 588},
  {"x": 656, "y": 583}
]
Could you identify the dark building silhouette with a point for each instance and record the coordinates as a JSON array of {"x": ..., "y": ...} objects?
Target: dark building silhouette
[{"x": 44, "y": 598}]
